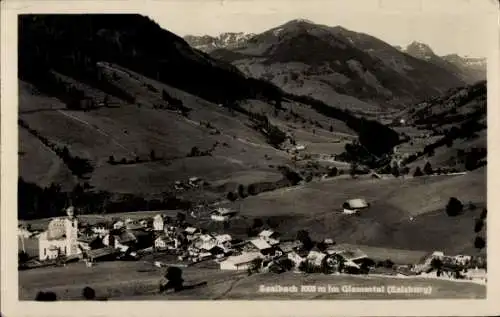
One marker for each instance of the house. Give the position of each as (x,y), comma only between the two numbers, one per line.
(132,225)
(476,275)
(297,257)
(163,242)
(289,246)
(158,223)
(437,254)
(352,257)
(106,253)
(194,181)
(24,232)
(100,229)
(462,259)
(60,239)
(143,223)
(262,246)
(353,206)
(315,257)
(190,230)
(222,214)
(118,225)
(121,240)
(269,236)
(240,262)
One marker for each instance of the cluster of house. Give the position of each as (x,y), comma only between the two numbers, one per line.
(452,267)
(66,237)
(192,182)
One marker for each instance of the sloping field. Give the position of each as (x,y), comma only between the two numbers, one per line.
(135,280)
(37,163)
(316,207)
(126,131)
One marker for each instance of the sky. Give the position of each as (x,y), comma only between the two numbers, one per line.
(447,26)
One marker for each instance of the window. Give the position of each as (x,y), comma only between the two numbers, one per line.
(44,251)
(65,250)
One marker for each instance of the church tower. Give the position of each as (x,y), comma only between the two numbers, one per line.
(71,225)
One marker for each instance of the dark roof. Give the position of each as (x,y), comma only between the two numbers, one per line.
(97,253)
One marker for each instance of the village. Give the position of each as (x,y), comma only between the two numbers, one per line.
(166,241)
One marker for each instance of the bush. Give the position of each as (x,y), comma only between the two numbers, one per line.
(428,169)
(418,172)
(479,243)
(478,226)
(252,190)
(241,191)
(88,293)
(483,214)
(454,207)
(231,196)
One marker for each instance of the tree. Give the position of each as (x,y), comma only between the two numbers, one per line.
(428,169)
(257,223)
(479,243)
(418,172)
(449,142)
(333,172)
(241,191)
(436,264)
(231,196)
(395,170)
(88,293)
(174,279)
(454,207)
(331,129)
(287,264)
(478,226)
(252,190)
(22,257)
(353,170)
(305,239)
(483,214)
(152,155)
(181,217)
(46,297)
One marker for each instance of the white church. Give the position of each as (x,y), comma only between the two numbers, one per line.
(61,237)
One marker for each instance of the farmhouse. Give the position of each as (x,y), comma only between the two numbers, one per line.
(240,262)
(269,236)
(222,214)
(353,206)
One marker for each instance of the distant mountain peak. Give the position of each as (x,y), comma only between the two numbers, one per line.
(420,50)
(301,21)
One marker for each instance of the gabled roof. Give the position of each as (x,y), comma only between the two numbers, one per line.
(260,244)
(223,238)
(357,203)
(243,258)
(190,230)
(223,211)
(266,233)
(125,237)
(97,253)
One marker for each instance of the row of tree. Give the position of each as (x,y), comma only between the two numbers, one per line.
(36,202)
(79,166)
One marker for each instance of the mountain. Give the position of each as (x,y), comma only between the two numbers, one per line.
(208,43)
(103,106)
(340,67)
(453,130)
(475,67)
(470,70)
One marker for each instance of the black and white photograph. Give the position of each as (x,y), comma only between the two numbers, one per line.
(279,151)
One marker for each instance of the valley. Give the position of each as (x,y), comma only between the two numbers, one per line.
(283,128)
